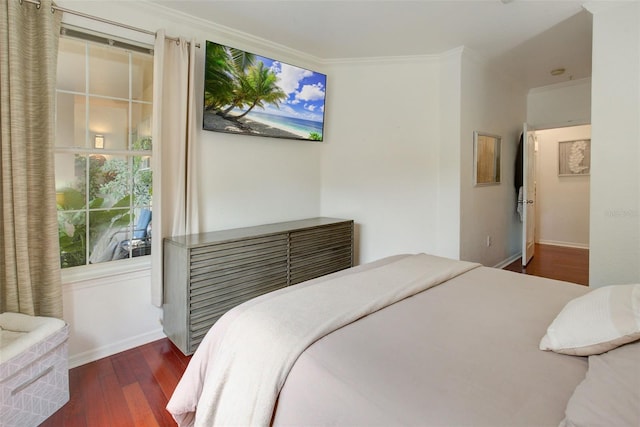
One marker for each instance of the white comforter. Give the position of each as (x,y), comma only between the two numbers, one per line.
(237,372)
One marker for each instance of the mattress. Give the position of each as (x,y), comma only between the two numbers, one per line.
(461,351)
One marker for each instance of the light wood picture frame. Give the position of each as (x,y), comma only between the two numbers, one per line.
(574,157)
(486,159)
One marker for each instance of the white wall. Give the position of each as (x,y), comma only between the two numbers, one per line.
(380,165)
(562,104)
(615,145)
(562,202)
(400,156)
(109,314)
(491,104)
(447,203)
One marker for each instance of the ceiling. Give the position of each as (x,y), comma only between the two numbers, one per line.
(525,38)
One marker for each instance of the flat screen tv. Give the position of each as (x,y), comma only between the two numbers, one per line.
(248,94)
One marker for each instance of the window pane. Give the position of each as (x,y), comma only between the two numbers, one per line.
(108,72)
(110,182)
(142,180)
(71,231)
(71,116)
(71,65)
(141,242)
(108,229)
(109,119)
(142,83)
(115,239)
(70,181)
(141,126)
(115,235)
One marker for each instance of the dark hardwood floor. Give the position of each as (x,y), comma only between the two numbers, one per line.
(132,388)
(556,262)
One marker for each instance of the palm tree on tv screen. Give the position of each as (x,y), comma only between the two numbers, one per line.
(218,80)
(236,79)
(259,85)
(224,66)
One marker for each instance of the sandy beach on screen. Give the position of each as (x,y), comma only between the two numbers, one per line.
(246,126)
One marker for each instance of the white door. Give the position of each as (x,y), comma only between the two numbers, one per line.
(528,193)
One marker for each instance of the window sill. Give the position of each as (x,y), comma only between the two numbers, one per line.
(108,270)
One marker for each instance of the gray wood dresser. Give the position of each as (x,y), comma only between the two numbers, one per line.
(207,274)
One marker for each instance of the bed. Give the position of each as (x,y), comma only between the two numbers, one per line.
(419,340)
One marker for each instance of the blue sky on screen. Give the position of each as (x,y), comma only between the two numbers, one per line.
(305,91)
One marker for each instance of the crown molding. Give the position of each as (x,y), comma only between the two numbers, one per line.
(380,60)
(219,30)
(153,16)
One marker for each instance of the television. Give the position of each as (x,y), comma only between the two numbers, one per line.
(248,94)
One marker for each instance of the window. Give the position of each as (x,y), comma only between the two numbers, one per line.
(103,150)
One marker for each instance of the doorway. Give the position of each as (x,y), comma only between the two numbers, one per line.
(562,196)
(562,207)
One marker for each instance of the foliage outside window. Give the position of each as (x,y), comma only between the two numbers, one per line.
(103,152)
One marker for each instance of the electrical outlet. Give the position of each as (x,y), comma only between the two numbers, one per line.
(488,241)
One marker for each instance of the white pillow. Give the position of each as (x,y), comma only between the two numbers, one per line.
(596,322)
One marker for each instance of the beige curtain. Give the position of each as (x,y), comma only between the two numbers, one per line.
(29,253)
(175,207)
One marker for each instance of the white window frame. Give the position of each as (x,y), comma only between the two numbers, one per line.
(131,264)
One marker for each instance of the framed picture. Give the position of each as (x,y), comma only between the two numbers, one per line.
(574,157)
(486,159)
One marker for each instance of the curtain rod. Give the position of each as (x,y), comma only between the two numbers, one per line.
(96,18)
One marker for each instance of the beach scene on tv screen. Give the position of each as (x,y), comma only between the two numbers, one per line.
(248,94)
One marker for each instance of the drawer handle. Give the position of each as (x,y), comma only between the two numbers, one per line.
(31,381)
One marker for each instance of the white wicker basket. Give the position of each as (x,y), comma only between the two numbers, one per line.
(34,374)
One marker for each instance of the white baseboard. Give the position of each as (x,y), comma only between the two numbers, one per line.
(111,349)
(508,261)
(565,244)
